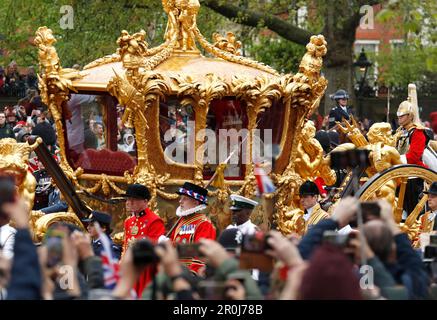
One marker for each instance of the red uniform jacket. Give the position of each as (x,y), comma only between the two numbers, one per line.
(417,146)
(191,229)
(146,225)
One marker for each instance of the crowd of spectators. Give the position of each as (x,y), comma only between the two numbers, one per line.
(377,262)
(15,82)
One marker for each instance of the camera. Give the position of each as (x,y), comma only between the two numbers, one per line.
(336,239)
(370,210)
(431,249)
(430,257)
(143,252)
(253,254)
(347,159)
(53,242)
(255,243)
(188,250)
(211,290)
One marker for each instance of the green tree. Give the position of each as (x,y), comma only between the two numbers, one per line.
(96,26)
(336,20)
(414,60)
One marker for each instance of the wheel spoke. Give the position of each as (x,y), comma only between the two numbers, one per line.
(400,203)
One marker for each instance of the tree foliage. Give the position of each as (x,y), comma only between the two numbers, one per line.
(415,60)
(96,26)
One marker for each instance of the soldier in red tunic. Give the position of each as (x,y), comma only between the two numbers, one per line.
(411,141)
(192,225)
(143,223)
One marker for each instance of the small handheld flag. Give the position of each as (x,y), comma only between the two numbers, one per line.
(264,183)
(109,263)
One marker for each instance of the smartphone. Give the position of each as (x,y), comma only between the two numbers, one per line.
(53,242)
(188,250)
(253,254)
(211,290)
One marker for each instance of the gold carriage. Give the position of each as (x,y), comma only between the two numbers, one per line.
(169,102)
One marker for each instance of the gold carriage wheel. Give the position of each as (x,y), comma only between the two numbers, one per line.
(400,173)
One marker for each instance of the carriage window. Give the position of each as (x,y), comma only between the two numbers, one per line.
(225,136)
(176,125)
(226,124)
(125,136)
(97,141)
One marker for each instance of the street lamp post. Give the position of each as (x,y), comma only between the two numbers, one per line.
(363,64)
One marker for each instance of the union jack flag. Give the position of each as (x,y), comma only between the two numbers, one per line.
(264,183)
(109,263)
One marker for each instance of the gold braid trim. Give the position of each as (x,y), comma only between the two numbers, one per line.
(231,57)
(163,55)
(115,57)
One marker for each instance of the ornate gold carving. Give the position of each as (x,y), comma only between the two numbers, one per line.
(382,154)
(188,10)
(228,43)
(310,163)
(43,222)
(132,49)
(139,90)
(308,86)
(13,162)
(353,132)
(136,91)
(55,83)
(259,94)
(292,222)
(225,55)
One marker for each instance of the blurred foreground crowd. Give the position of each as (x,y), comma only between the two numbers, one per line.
(375,260)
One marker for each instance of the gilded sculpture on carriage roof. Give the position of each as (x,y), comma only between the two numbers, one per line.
(228,43)
(132,49)
(188,10)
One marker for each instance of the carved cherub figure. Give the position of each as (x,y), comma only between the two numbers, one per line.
(310,162)
(188,10)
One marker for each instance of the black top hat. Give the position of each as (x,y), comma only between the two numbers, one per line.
(432,189)
(101,217)
(137,191)
(195,192)
(308,188)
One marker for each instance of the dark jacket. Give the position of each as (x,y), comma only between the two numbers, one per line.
(92,270)
(98,248)
(26,278)
(337,114)
(408,270)
(6,132)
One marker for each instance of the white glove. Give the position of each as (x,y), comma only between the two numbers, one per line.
(163,239)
